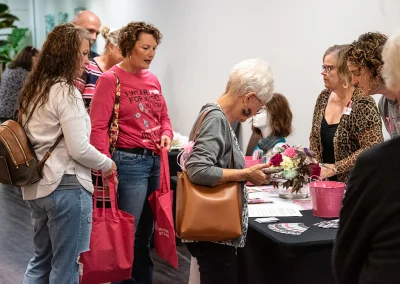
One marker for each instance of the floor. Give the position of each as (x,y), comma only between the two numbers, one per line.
(16,244)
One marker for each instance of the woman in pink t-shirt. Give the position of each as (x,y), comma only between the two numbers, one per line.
(144,127)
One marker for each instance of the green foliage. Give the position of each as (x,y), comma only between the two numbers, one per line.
(12,45)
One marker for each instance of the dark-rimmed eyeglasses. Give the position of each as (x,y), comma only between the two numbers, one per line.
(327,68)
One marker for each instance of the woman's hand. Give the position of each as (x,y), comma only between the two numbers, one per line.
(327,171)
(256,176)
(107,175)
(112,170)
(165,142)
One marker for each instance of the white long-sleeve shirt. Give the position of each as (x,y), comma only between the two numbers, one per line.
(63,113)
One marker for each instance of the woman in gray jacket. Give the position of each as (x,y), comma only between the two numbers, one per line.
(249,87)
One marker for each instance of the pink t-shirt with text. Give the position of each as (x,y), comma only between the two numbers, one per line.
(143,113)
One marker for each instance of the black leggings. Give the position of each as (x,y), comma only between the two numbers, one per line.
(217,263)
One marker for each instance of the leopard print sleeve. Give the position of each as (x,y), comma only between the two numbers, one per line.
(366,131)
(315,135)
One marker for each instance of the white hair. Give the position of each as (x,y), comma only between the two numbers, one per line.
(252,75)
(391,59)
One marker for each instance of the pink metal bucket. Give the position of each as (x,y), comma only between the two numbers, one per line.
(250,162)
(326,198)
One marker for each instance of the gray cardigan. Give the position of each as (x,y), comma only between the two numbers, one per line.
(212,152)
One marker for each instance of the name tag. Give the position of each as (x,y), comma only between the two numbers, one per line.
(347,110)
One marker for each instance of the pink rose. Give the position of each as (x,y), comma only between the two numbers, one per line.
(290,152)
(276,160)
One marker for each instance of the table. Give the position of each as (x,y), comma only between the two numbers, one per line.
(271,257)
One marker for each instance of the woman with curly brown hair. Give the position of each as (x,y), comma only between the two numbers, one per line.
(345,122)
(364,59)
(61,202)
(144,126)
(274,123)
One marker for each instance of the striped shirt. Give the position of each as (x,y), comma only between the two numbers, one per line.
(87,82)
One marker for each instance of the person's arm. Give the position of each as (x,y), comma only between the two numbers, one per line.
(208,149)
(369,133)
(315,143)
(101,111)
(72,115)
(166,128)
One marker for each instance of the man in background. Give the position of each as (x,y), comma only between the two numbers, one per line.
(90,22)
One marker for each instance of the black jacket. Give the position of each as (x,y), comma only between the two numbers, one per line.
(367,248)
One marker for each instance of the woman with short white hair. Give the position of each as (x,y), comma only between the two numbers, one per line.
(249,88)
(391,59)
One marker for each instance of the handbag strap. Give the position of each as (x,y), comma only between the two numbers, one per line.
(48,153)
(112,195)
(164,173)
(200,121)
(114,127)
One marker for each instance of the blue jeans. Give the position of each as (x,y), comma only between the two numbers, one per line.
(139,176)
(62,222)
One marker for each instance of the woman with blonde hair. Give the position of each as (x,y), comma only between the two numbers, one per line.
(61,202)
(345,122)
(111,56)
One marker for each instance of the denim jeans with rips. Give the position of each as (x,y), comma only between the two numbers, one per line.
(62,223)
(139,176)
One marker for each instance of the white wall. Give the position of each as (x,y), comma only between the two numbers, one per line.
(203,39)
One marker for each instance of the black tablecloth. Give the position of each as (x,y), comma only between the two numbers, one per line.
(271,257)
(313,236)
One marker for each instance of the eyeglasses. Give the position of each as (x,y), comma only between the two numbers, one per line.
(327,68)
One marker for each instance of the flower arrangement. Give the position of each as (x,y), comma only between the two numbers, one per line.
(297,165)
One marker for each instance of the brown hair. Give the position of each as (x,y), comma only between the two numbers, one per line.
(280,115)
(24,58)
(367,52)
(58,62)
(340,52)
(129,35)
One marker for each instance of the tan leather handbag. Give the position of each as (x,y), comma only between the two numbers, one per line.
(205,213)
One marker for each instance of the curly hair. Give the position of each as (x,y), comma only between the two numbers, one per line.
(58,62)
(24,58)
(280,115)
(367,52)
(129,35)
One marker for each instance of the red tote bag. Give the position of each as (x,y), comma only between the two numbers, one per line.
(111,242)
(161,204)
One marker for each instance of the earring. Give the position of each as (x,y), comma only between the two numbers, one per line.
(110,53)
(247,113)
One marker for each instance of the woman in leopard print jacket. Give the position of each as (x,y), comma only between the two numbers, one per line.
(345,122)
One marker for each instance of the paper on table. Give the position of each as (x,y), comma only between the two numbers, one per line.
(266,210)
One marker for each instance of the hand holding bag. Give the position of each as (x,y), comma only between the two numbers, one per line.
(111,242)
(161,204)
(206,213)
